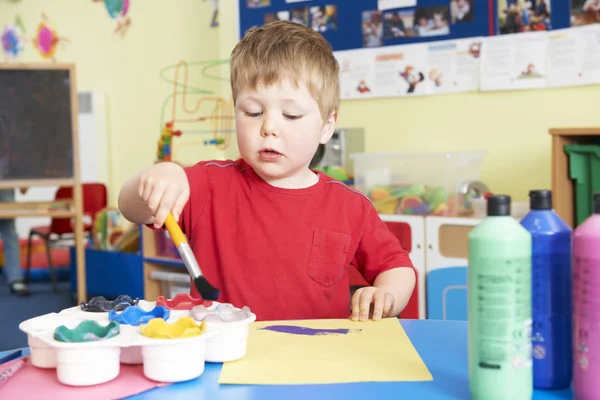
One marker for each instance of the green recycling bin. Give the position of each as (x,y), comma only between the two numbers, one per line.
(584,170)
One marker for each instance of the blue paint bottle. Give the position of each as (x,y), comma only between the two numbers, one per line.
(551,293)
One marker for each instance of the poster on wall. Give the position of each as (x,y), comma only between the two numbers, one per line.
(453,66)
(357,75)
(400,70)
(514,62)
(574,57)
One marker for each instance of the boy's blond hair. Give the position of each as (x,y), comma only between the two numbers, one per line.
(284,49)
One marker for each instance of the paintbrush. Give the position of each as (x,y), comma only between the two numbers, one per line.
(13,369)
(206,290)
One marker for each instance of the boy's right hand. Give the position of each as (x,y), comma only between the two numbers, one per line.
(164,188)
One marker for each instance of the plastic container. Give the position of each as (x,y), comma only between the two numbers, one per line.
(234,325)
(80,366)
(551,293)
(499,293)
(416,183)
(584,170)
(42,354)
(85,360)
(172,283)
(174,363)
(182,301)
(586,306)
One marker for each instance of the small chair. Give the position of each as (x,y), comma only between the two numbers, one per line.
(95,198)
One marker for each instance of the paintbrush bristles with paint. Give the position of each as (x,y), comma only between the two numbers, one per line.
(206,290)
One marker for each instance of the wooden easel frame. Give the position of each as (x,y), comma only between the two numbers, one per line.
(63,208)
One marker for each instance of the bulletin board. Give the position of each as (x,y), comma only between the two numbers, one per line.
(345,24)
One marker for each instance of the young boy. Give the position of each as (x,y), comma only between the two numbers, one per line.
(269,232)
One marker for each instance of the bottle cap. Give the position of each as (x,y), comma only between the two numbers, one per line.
(498,205)
(597,203)
(540,199)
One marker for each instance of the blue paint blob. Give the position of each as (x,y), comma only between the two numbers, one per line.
(300,330)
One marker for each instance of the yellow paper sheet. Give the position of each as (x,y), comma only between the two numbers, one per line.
(369,352)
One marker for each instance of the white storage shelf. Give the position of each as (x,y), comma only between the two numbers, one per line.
(439,252)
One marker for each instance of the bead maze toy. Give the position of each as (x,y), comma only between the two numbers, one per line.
(210,114)
(165,142)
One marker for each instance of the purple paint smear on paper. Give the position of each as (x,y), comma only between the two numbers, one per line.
(300,330)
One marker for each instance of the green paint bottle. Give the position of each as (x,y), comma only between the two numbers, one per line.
(499,282)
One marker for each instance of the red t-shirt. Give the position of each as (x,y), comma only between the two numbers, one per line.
(285,253)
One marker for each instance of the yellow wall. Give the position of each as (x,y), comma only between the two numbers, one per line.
(127,70)
(497,123)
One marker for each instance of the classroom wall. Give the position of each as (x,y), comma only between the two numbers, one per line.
(497,123)
(126,69)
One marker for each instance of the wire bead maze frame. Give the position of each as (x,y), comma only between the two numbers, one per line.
(194,110)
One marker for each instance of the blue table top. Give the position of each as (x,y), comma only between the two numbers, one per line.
(441,344)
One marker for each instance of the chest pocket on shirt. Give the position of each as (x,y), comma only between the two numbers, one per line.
(328,256)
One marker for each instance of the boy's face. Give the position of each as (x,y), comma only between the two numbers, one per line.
(278,131)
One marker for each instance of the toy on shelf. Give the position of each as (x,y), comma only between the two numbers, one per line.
(415,199)
(165,142)
(419,199)
(336,173)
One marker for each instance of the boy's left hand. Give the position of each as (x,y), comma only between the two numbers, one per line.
(371,302)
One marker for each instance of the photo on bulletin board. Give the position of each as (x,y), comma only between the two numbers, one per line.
(278,16)
(372,28)
(299,15)
(516,16)
(585,12)
(462,11)
(398,23)
(416,22)
(432,21)
(323,18)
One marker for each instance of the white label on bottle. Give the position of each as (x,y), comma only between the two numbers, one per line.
(503,291)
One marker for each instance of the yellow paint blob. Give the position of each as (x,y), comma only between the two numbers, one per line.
(185,327)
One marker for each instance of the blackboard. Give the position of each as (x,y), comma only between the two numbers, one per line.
(36,124)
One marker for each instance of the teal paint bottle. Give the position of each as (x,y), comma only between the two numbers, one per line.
(499,326)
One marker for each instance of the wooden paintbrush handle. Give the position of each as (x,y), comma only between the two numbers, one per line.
(175,231)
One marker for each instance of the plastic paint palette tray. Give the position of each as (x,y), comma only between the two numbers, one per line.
(96,356)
